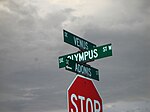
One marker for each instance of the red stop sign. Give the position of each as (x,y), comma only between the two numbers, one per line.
(83,96)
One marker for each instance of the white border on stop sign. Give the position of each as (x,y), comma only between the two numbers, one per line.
(73,82)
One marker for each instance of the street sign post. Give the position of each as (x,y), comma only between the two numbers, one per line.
(76,41)
(82,69)
(83,96)
(86,56)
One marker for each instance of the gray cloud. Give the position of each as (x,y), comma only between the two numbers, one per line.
(28,56)
(131,51)
(31,41)
(128,106)
(125,75)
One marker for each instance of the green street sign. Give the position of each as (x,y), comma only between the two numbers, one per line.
(77,41)
(87,56)
(82,69)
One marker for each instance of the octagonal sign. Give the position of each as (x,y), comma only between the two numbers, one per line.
(83,96)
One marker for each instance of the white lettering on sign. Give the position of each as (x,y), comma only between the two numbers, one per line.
(76,56)
(105,49)
(83,69)
(83,56)
(80,43)
(73,96)
(61,60)
(95,53)
(109,47)
(66,34)
(94,104)
(81,98)
(97,104)
(87,105)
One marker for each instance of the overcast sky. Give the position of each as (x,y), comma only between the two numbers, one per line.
(31,41)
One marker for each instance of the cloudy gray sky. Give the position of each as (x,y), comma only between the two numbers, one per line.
(31,41)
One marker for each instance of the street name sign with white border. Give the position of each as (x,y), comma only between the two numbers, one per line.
(78,42)
(87,56)
(82,69)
